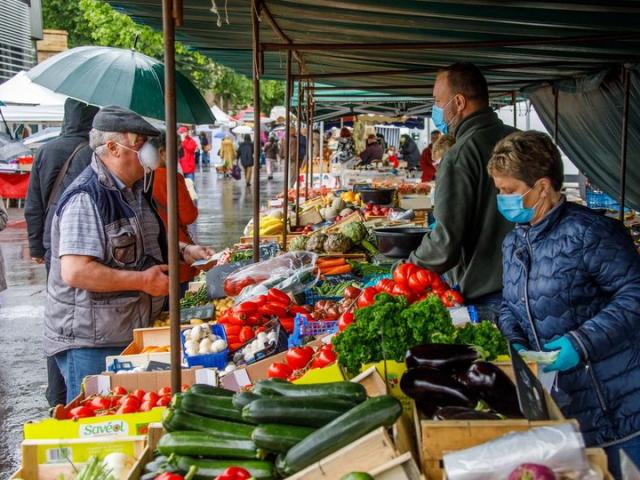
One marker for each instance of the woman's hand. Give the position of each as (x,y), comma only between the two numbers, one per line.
(198,252)
(568,357)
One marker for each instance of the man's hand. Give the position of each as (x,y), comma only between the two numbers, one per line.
(198,252)
(155,281)
(38,260)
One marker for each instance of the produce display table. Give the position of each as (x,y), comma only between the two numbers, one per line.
(13,185)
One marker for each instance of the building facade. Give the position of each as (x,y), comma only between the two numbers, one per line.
(20,28)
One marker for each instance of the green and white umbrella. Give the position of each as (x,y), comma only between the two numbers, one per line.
(115,76)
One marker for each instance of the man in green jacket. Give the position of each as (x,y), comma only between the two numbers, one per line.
(466,242)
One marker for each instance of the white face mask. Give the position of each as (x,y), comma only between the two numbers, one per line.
(149,158)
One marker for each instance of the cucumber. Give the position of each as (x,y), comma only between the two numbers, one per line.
(357,422)
(279,438)
(242,399)
(177,419)
(208,405)
(204,389)
(307,412)
(334,390)
(205,445)
(208,469)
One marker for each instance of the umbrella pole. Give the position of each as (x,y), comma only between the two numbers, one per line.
(287,154)
(6,125)
(256,130)
(623,146)
(306,170)
(168,16)
(297,152)
(310,135)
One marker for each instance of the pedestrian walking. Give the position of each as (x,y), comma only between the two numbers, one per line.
(271,155)
(245,156)
(187,157)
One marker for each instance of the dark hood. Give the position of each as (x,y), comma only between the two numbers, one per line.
(78,117)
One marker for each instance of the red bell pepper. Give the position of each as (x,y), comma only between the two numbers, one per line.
(234,473)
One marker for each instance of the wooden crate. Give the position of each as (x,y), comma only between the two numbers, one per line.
(351,218)
(402,468)
(373,383)
(153,437)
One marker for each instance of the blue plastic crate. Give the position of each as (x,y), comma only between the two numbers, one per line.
(280,346)
(209,360)
(305,328)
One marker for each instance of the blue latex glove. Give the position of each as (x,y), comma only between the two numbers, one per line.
(568,357)
(518,347)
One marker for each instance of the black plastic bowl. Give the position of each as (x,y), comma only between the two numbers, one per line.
(399,242)
(377,196)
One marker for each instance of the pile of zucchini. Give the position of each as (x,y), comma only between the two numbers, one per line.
(274,431)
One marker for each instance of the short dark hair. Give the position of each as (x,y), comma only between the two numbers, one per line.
(467,79)
(528,156)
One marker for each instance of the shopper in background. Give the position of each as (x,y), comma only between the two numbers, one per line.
(345,153)
(426,159)
(441,146)
(187,157)
(392,156)
(205,148)
(372,152)
(227,154)
(409,152)
(572,286)
(56,166)
(271,155)
(245,156)
(465,243)
(187,210)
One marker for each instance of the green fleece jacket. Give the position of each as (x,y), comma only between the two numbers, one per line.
(466,243)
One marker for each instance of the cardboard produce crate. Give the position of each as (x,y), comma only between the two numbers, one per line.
(48,459)
(414,201)
(126,425)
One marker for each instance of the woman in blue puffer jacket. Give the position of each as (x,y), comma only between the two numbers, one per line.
(571,284)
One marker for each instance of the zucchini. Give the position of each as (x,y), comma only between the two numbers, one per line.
(204,389)
(334,390)
(242,399)
(208,405)
(208,469)
(205,445)
(308,412)
(177,419)
(366,417)
(279,438)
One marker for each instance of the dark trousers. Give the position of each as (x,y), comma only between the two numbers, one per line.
(56,392)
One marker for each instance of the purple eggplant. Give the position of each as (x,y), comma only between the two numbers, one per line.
(441,356)
(493,386)
(432,389)
(532,471)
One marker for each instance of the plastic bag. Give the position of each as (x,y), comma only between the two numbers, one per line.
(292,272)
(560,447)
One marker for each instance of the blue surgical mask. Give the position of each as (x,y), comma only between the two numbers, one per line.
(437,115)
(513,209)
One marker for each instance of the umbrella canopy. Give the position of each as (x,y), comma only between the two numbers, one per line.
(114,76)
(11,149)
(242,130)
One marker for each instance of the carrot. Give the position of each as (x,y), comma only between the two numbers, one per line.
(337,270)
(330,262)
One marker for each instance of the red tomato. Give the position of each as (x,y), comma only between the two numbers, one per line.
(232,473)
(139,394)
(153,396)
(81,412)
(119,391)
(232,330)
(451,298)
(416,285)
(163,401)
(164,391)
(367,297)
(147,406)
(279,370)
(260,300)
(403,272)
(127,409)
(402,290)
(99,403)
(288,323)
(114,400)
(326,358)
(169,476)
(184,388)
(346,319)
(233,346)
(273,309)
(246,307)
(327,348)
(386,285)
(246,334)
(130,400)
(293,309)
(278,296)
(298,357)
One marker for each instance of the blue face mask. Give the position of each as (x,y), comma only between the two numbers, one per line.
(437,115)
(513,209)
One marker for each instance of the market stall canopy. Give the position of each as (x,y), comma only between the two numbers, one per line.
(20,90)
(114,76)
(222,118)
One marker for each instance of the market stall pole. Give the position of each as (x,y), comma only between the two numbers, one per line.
(555,115)
(172,15)
(310,152)
(297,152)
(515,109)
(623,146)
(287,156)
(255,23)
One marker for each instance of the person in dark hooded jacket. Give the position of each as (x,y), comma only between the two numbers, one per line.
(41,199)
(409,151)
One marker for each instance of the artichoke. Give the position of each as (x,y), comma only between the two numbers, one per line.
(316,243)
(355,231)
(298,243)
(337,243)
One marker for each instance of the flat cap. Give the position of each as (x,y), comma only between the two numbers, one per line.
(118,119)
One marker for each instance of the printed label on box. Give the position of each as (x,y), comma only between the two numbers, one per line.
(114,427)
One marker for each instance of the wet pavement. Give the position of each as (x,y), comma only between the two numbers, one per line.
(225,207)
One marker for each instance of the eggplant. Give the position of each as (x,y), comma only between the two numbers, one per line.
(493,386)
(463,413)
(441,356)
(432,389)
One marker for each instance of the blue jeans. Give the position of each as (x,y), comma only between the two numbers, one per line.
(78,363)
(488,306)
(192,176)
(630,447)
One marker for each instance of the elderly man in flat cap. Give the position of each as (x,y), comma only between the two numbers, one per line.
(108,250)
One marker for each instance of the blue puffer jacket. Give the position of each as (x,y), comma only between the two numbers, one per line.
(576,273)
